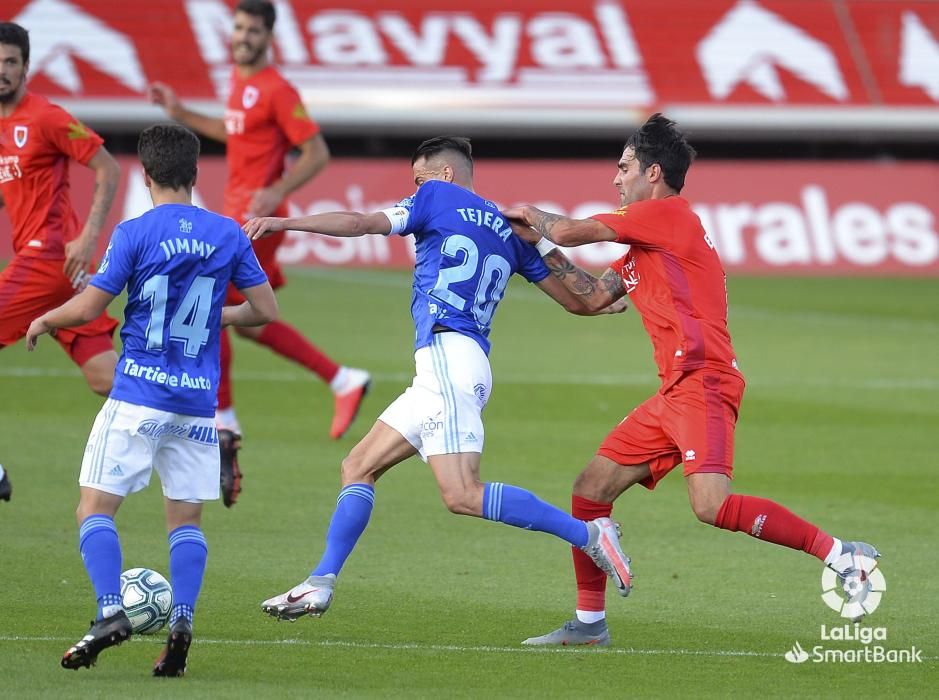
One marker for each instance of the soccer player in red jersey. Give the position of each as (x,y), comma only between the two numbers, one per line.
(264,120)
(52,250)
(675,280)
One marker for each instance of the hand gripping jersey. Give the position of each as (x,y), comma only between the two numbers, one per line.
(465,254)
(675,280)
(264,119)
(176,262)
(36,143)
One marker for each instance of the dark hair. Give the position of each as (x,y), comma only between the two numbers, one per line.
(14,35)
(169,154)
(259,8)
(439,144)
(660,141)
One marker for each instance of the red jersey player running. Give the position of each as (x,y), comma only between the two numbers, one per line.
(675,280)
(264,120)
(52,250)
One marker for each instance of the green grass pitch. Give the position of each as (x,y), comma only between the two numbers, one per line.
(839,423)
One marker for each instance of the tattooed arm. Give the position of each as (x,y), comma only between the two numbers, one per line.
(578,291)
(556,228)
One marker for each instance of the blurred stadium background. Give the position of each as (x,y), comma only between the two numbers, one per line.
(816,120)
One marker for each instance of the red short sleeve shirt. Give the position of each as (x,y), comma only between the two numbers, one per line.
(36,143)
(264,119)
(676,282)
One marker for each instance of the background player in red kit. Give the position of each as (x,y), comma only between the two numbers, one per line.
(676,282)
(264,120)
(52,250)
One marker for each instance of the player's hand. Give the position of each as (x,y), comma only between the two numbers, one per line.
(36,329)
(163,95)
(77,258)
(263,227)
(524,231)
(618,306)
(264,201)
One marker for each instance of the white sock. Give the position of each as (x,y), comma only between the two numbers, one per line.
(339,381)
(226,419)
(588,617)
(1,472)
(836,549)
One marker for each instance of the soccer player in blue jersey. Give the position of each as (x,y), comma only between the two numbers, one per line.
(466,254)
(176,262)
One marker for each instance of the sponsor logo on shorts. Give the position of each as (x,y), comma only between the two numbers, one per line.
(430,426)
(480,391)
(205,434)
(689,455)
(757,529)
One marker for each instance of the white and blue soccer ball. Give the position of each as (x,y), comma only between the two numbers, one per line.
(147,598)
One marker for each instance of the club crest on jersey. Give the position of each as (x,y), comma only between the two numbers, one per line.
(250,96)
(20,134)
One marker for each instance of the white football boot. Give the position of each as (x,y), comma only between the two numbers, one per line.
(311,597)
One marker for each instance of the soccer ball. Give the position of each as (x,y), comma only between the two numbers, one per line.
(147,599)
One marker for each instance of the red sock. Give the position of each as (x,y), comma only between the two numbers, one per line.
(591,581)
(767,520)
(288,342)
(224,376)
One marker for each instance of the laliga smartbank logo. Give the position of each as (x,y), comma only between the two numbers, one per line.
(853,595)
(863,585)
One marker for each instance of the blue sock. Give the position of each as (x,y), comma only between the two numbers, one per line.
(520,508)
(101,552)
(353,509)
(188,552)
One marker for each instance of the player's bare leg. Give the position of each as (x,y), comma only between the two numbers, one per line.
(99,372)
(380,450)
(595,488)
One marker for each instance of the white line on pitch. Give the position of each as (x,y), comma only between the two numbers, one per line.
(432,647)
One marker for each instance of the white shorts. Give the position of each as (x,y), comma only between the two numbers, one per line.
(441,412)
(127,441)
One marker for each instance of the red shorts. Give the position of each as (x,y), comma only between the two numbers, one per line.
(692,422)
(31,286)
(266,250)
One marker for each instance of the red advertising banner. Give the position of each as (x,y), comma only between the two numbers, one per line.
(563,64)
(765,218)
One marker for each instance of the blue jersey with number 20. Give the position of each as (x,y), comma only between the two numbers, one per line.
(465,254)
(176,262)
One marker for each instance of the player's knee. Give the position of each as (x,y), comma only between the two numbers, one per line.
(99,384)
(252,332)
(458,501)
(353,470)
(706,511)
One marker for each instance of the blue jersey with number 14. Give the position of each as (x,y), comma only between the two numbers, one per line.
(465,253)
(176,262)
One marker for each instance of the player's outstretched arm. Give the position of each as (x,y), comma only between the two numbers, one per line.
(578,291)
(556,228)
(81,308)
(163,95)
(341,224)
(259,307)
(78,252)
